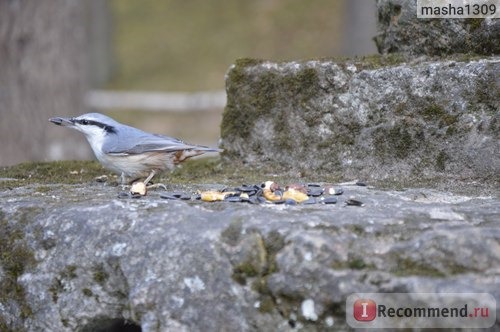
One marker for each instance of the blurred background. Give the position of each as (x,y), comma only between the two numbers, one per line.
(155,64)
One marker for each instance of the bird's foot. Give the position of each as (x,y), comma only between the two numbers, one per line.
(156,186)
(124,183)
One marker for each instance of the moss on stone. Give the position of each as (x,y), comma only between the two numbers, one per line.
(259,96)
(16,257)
(350,132)
(451,130)
(273,243)
(474,23)
(259,267)
(231,235)
(256,263)
(357,229)
(485,98)
(464,57)
(396,141)
(269,246)
(194,171)
(357,264)
(277,96)
(409,267)
(260,286)
(232,172)
(436,113)
(301,86)
(69,272)
(247,62)
(3,325)
(55,288)
(99,274)
(283,137)
(404,144)
(267,304)
(43,189)
(494,127)
(353,263)
(458,269)
(87,292)
(441,160)
(45,173)
(246,269)
(376,61)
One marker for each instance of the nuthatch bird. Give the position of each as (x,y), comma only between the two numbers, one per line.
(129,151)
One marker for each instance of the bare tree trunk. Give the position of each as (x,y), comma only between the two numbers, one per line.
(43,73)
(100,47)
(360,28)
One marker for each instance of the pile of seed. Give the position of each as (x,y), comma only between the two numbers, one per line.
(270,193)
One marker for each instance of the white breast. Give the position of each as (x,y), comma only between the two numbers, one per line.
(131,165)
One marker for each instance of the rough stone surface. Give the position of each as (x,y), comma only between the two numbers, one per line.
(401,31)
(418,120)
(162,265)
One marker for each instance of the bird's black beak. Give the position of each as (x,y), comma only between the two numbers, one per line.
(65,122)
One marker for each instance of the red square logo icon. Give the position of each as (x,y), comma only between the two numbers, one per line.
(365,310)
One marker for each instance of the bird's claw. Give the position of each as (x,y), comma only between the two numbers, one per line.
(157,185)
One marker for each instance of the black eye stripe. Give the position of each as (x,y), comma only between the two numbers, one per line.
(85,122)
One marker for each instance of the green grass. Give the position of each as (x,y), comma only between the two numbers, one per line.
(189,45)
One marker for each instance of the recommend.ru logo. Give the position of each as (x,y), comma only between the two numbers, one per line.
(421,310)
(364,310)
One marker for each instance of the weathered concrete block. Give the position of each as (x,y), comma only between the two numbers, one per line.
(411,121)
(76,258)
(401,31)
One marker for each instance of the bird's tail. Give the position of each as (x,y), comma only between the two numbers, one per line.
(206,149)
(182,155)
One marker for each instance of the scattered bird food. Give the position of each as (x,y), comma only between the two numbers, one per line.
(176,195)
(268,192)
(138,188)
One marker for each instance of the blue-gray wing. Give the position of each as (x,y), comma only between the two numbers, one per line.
(136,142)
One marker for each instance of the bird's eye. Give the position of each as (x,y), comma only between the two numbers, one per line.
(84,122)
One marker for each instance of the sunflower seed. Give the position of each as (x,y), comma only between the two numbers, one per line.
(315,191)
(330,190)
(233,199)
(123,194)
(353,202)
(253,200)
(248,188)
(328,200)
(169,195)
